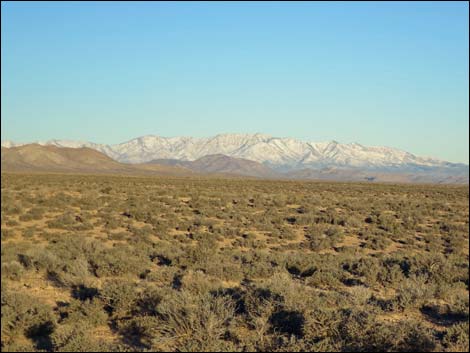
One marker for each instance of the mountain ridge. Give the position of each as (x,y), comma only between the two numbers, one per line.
(279,153)
(52,158)
(265,156)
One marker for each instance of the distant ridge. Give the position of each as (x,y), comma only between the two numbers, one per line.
(280,153)
(265,156)
(350,174)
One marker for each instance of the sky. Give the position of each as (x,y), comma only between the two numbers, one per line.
(380,74)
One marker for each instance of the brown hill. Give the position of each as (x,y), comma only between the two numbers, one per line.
(37,158)
(222,164)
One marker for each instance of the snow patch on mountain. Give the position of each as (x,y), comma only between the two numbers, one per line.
(282,154)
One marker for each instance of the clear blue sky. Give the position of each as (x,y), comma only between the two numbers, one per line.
(393,74)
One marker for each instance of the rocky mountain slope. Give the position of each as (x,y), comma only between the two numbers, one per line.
(219,163)
(266,156)
(281,153)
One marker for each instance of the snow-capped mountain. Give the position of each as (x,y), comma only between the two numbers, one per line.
(282,154)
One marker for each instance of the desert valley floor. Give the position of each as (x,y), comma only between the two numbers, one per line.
(123,263)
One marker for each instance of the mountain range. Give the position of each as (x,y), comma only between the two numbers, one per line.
(266,156)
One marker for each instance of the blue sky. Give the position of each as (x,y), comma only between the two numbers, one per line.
(392,74)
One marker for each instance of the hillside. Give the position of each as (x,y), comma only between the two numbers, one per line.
(221,164)
(37,158)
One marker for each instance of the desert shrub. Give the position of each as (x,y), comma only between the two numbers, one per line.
(350,221)
(118,261)
(200,255)
(29,232)
(448,313)
(194,323)
(140,330)
(37,258)
(292,293)
(198,283)
(259,305)
(106,190)
(360,296)
(287,234)
(376,241)
(413,292)
(323,237)
(388,223)
(391,274)
(456,338)
(143,232)
(9,208)
(58,201)
(118,236)
(112,223)
(362,332)
(23,315)
(257,264)
(321,329)
(71,273)
(411,221)
(119,297)
(85,291)
(10,222)
(288,322)
(301,266)
(325,277)
(436,267)
(12,270)
(35,213)
(369,268)
(225,267)
(25,345)
(148,300)
(89,313)
(73,337)
(70,221)
(7,233)
(303,219)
